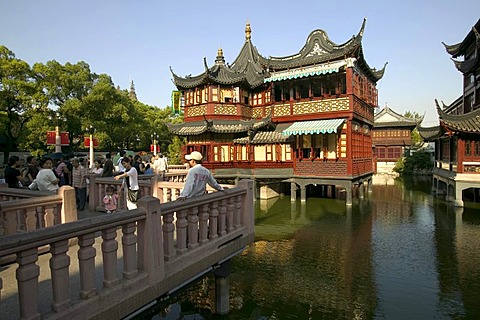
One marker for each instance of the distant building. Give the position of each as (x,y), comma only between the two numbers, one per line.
(304,119)
(392,134)
(457,138)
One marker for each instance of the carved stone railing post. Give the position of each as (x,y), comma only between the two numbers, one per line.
(69,204)
(203,224)
(167,229)
(86,257)
(237,221)
(182,225)
(59,263)
(150,242)
(27,278)
(129,242)
(193,228)
(230,214)
(249,216)
(109,253)
(31,219)
(222,218)
(93,192)
(213,222)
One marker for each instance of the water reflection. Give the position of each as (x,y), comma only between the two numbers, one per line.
(399,253)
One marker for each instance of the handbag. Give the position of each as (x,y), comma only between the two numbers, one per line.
(133,195)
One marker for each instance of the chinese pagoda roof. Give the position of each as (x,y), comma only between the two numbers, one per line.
(252,69)
(319,49)
(461,49)
(217,126)
(430,133)
(467,122)
(389,118)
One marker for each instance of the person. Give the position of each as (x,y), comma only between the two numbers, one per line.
(108,166)
(46,179)
(120,166)
(137,163)
(32,170)
(13,176)
(160,166)
(197,178)
(79,175)
(61,171)
(97,167)
(130,183)
(110,200)
(148,169)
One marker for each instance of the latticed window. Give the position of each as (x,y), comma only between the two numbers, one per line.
(468,148)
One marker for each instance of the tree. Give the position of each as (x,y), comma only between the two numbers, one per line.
(18,92)
(64,88)
(415,135)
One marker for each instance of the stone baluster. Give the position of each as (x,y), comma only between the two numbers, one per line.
(59,263)
(203,224)
(237,221)
(182,225)
(109,253)
(50,214)
(129,242)
(86,264)
(213,221)
(230,214)
(10,222)
(31,219)
(27,278)
(222,218)
(193,228)
(168,229)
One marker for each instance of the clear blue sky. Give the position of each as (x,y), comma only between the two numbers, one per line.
(140,40)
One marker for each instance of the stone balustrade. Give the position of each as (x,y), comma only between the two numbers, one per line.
(125,260)
(23,210)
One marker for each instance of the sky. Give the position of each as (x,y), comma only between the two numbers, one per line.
(139,40)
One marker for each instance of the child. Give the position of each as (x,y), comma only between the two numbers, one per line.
(110,200)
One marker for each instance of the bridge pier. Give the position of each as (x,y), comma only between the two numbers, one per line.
(222,288)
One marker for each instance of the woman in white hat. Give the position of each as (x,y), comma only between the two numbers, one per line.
(197,177)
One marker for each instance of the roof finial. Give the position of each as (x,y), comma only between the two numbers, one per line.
(248,31)
(220,59)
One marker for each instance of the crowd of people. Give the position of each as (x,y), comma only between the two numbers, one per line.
(48,174)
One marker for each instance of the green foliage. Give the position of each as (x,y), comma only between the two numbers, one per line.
(175,150)
(416,163)
(36,100)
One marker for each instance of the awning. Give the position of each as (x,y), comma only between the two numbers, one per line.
(316,126)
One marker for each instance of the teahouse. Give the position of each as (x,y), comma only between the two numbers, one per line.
(303,120)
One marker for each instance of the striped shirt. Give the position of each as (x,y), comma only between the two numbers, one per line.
(78,177)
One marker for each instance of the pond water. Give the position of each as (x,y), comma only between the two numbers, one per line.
(399,253)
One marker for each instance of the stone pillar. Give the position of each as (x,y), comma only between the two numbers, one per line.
(361,191)
(222,288)
(303,193)
(293,191)
(348,195)
(458,201)
(69,204)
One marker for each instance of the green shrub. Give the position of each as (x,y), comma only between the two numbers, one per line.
(411,164)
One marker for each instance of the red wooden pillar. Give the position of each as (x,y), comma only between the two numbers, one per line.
(460,155)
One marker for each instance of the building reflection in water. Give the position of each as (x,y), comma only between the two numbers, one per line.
(397,253)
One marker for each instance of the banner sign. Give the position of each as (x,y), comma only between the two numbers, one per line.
(51,137)
(176,101)
(152,148)
(86,142)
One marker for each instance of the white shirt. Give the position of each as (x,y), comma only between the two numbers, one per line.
(44,180)
(196,182)
(132,178)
